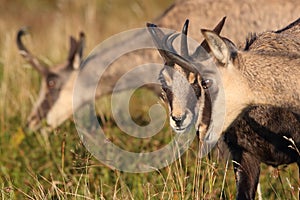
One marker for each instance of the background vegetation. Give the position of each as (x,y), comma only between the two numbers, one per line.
(55,165)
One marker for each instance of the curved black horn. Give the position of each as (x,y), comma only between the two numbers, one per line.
(184,45)
(165,47)
(27,55)
(21,32)
(168,42)
(183,62)
(156,33)
(158,37)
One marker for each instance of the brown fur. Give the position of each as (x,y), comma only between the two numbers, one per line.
(266,73)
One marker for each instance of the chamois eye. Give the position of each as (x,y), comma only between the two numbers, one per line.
(206,83)
(51,83)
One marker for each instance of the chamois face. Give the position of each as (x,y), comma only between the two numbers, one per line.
(48,95)
(183,92)
(186,82)
(54,82)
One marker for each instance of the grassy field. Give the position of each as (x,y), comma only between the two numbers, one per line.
(55,165)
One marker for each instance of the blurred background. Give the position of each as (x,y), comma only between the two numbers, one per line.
(51,24)
(56,165)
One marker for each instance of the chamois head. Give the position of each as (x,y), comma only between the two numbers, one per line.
(54,79)
(189,89)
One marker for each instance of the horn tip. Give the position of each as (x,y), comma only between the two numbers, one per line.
(23,30)
(223,19)
(150,25)
(185,26)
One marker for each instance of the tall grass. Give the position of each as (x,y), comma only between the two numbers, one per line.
(56,165)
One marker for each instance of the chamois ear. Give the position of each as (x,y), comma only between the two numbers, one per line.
(72,52)
(218,28)
(75,52)
(79,51)
(217,46)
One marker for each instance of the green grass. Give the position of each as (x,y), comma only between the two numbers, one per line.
(56,165)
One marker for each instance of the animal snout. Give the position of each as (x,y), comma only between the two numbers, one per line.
(179,119)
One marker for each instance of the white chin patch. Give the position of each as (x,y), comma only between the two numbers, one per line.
(181,130)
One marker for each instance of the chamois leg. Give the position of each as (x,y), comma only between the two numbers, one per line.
(247,170)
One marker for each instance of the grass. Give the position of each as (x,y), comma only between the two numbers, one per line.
(56,165)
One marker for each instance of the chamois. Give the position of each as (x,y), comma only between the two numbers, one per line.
(246,16)
(53,79)
(249,77)
(263,133)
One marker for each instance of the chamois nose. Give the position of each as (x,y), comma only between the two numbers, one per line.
(179,119)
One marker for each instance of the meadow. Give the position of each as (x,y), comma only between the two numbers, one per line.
(56,165)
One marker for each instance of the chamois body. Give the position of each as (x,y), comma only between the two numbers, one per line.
(265,134)
(258,75)
(261,133)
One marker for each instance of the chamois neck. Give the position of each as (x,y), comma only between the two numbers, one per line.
(238,95)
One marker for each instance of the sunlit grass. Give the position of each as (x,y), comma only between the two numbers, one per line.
(56,165)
